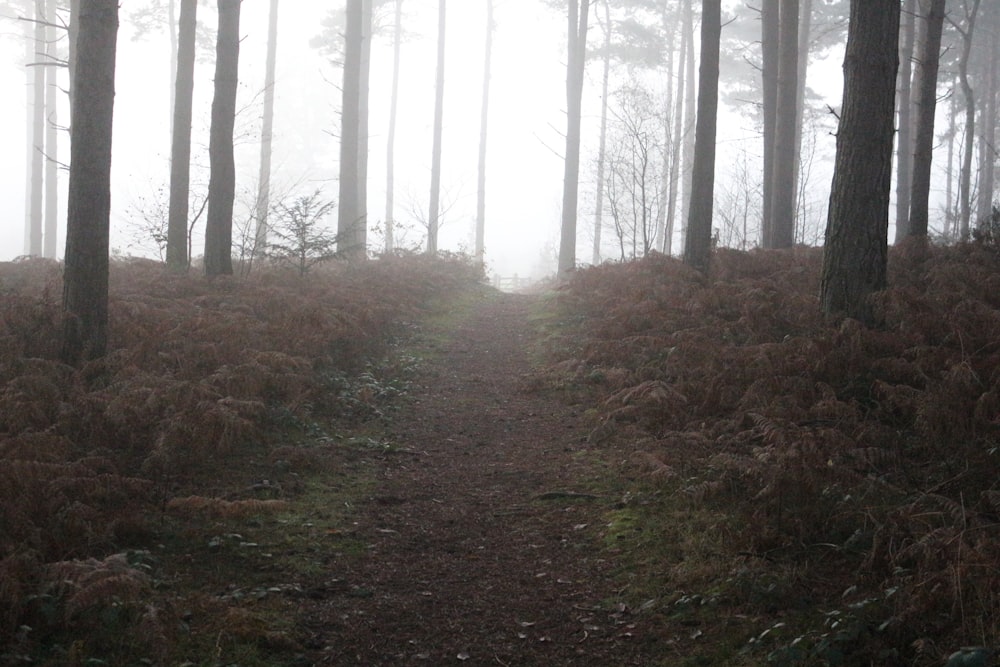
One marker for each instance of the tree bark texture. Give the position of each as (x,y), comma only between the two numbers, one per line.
(85,275)
(925,89)
(222,179)
(348,207)
(434,209)
(180,151)
(579,11)
(855,253)
(698,245)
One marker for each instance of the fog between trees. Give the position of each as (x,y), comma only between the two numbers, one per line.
(652,170)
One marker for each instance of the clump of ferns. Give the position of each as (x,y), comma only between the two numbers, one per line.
(59,509)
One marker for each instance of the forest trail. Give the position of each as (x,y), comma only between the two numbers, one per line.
(483,532)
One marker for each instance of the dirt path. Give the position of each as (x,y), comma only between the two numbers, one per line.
(477,551)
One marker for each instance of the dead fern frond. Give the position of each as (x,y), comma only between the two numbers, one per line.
(86,584)
(223,509)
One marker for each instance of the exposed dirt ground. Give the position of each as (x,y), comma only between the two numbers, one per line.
(483,535)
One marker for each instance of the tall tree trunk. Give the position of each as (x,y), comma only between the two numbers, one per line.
(73,34)
(690,113)
(37,134)
(361,229)
(950,210)
(390,167)
(172,31)
(603,142)
(856,249)
(222,179)
(678,137)
(49,237)
(905,144)
(783,195)
(263,205)
(965,183)
(579,11)
(668,136)
(85,275)
(180,151)
(802,70)
(29,139)
(925,88)
(987,130)
(349,208)
(698,244)
(770,18)
(484,117)
(435,198)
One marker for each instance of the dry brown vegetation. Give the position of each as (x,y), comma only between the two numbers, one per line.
(812,492)
(855,468)
(200,374)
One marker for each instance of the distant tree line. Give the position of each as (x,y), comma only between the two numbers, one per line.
(655,167)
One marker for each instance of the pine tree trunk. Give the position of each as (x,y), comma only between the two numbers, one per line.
(575,64)
(783,176)
(222,180)
(484,117)
(856,249)
(172,31)
(965,184)
(435,198)
(180,152)
(690,113)
(698,244)
(770,54)
(360,241)
(905,143)
(349,208)
(72,36)
(49,236)
(85,275)
(925,105)
(37,136)
(603,141)
(987,132)
(263,206)
(802,70)
(950,213)
(390,150)
(29,140)
(678,138)
(668,136)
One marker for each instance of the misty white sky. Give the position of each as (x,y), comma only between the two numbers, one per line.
(524,182)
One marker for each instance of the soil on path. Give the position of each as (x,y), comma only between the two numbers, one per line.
(483,534)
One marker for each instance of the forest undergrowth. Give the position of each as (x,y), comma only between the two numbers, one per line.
(834,487)
(214,397)
(809,492)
